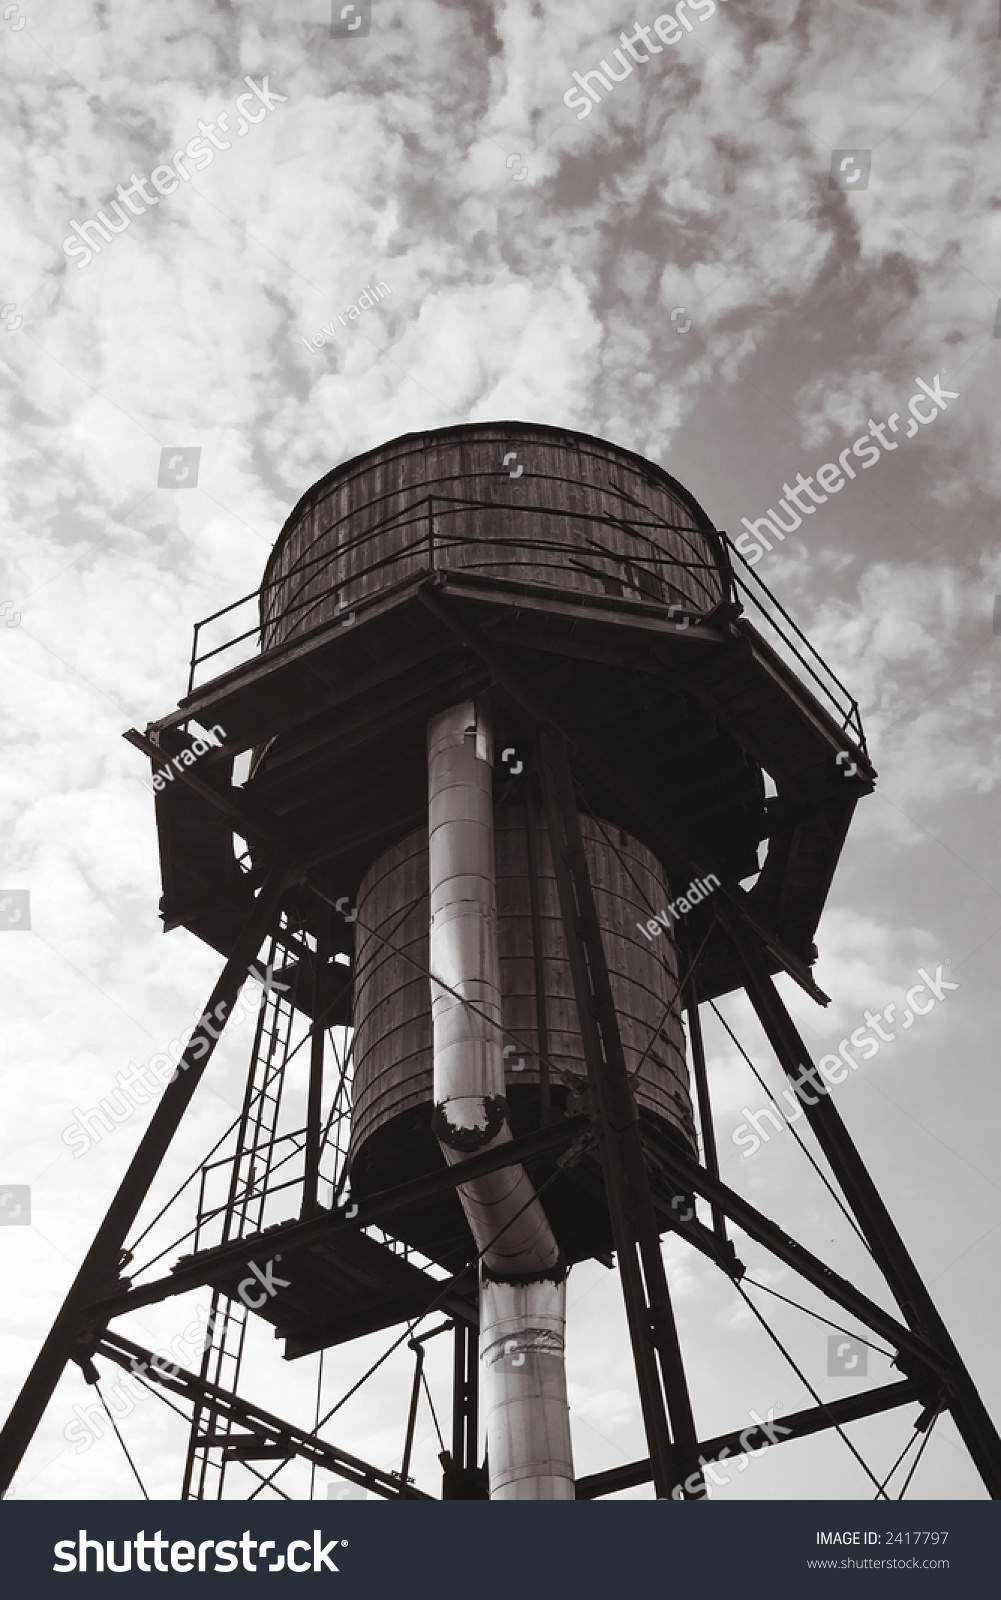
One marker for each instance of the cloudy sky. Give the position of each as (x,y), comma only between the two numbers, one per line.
(672,272)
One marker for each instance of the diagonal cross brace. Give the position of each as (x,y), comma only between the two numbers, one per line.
(796,1425)
(888,1248)
(262,1424)
(688,1175)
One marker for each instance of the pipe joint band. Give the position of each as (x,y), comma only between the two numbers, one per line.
(516,1349)
(489,1119)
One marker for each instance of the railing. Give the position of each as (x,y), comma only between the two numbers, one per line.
(644,572)
(216,1174)
(259,1192)
(830,685)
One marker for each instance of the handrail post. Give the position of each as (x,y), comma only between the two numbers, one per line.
(194,657)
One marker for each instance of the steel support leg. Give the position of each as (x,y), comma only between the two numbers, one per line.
(314,1131)
(634,1227)
(101,1266)
(888,1248)
(538,964)
(463,1479)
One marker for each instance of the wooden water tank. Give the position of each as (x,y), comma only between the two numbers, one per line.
(392,1096)
(581,516)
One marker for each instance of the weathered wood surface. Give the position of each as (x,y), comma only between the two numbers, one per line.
(392,1003)
(582,517)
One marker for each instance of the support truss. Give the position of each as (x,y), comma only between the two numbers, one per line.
(264,1435)
(640,1207)
(923,1343)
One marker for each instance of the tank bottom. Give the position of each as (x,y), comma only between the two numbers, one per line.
(406,1148)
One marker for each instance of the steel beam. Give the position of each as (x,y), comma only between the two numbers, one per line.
(191,1273)
(250,826)
(462,1479)
(688,1176)
(415,1398)
(271,1430)
(888,1248)
(314,1097)
(797,1425)
(706,1124)
(681,853)
(101,1265)
(649,1312)
(608,708)
(587,1173)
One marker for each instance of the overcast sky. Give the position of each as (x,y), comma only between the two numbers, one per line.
(672,272)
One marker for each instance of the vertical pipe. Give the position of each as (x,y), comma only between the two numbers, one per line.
(538,965)
(705,1103)
(522,1280)
(460,1359)
(314,1099)
(471,1407)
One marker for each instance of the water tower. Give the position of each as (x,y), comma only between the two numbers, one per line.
(504,728)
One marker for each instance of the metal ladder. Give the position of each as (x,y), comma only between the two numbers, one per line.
(222,1357)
